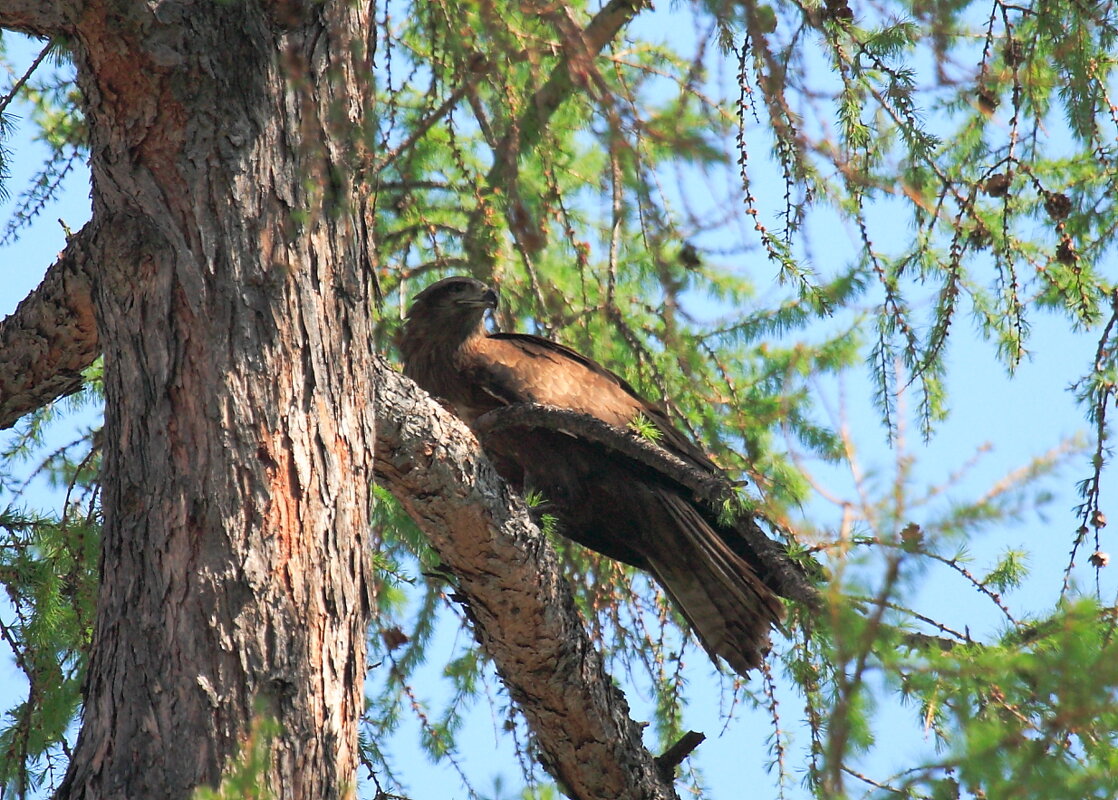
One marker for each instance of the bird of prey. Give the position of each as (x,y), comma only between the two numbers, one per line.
(621,507)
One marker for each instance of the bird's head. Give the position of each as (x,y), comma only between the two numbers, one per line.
(458,294)
(450,309)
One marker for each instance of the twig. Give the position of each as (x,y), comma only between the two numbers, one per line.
(7,99)
(423,126)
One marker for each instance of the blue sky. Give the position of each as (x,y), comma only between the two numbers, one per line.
(1015,419)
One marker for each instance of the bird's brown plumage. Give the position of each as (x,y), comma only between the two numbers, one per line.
(604,500)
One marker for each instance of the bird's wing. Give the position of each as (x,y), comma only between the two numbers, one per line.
(521,368)
(608,503)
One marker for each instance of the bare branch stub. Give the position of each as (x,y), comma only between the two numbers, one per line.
(674,755)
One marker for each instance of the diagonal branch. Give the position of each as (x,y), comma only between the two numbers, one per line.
(525,133)
(569,74)
(42,18)
(48,341)
(521,607)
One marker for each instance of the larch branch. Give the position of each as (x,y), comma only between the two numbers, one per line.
(521,607)
(51,337)
(524,134)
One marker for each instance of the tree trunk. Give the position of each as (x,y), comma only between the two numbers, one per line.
(233,309)
(227,265)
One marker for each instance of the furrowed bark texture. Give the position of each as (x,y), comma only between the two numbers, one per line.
(51,337)
(43,18)
(521,608)
(233,310)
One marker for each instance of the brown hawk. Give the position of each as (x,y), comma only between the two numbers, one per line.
(618,506)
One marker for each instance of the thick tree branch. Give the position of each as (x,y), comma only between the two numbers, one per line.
(43,18)
(522,609)
(48,341)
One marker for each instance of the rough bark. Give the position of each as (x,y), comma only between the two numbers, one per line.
(521,608)
(42,18)
(51,337)
(234,316)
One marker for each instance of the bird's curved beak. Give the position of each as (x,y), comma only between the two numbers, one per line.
(487,299)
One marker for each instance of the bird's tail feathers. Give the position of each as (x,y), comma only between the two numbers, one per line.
(726,603)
